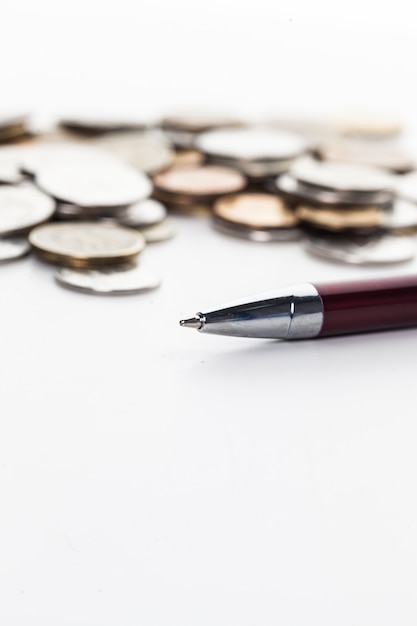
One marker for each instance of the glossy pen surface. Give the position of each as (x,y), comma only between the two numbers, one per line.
(316,310)
(370,305)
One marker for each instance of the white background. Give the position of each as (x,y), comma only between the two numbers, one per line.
(152,475)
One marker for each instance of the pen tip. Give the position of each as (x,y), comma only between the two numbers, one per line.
(192,322)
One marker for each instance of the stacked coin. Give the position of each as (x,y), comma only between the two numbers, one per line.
(335,195)
(258,152)
(85,186)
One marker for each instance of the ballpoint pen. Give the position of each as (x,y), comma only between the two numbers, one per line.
(308,310)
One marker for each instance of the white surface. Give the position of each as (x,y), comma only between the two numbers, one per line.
(152,475)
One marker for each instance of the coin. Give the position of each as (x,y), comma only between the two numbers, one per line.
(13,248)
(97,124)
(336,219)
(260,234)
(86,244)
(258,152)
(363,250)
(185,185)
(297,192)
(255,210)
(405,186)
(109,281)
(158,232)
(149,152)
(111,185)
(41,155)
(339,176)
(144,213)
(362,152)
(402,217)
(368,124)
(23,207)
(183,128)
(10,165)
(184,158)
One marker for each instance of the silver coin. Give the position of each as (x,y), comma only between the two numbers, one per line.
(383,249)
(401,217)
(405,186)
(13,248)
(149,152)
(261,235)
(249,145)
(111,185)
(23,207)
(110,281)
(289,186)
(39,156)
(159,232)
(10,157)
(96,123)
(254,169)
(338,176)
(145,213)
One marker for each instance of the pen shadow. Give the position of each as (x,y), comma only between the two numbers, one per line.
(382,351)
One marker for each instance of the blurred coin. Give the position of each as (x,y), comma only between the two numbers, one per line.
(187,185)
(371,125)
(405,186)
(188,158)
(149,152)
(158,232)
(99,124)
(111,185)
(362,250)
(183,128)
(22,208)
(86,244)
(298,192)
(111,281)
(41,155)
(259,234)
(144,213)
(339,176)
(10,157)
(402,217)
(336,219)
(13,248)
(13,126)
(255,210)
(258,152)
(380,155)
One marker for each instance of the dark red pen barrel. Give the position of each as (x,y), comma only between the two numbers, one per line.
(370,305)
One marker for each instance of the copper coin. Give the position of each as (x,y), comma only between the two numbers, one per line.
(184,184)
(255,210)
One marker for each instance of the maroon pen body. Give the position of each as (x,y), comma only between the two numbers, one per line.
(370,305)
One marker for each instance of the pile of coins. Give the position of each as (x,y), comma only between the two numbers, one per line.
(90,194)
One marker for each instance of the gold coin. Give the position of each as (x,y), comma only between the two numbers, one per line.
(185,158)
(184,185)
(86,244)
(337,219)
(255,210)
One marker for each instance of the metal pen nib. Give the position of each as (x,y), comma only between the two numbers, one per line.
(192,322)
